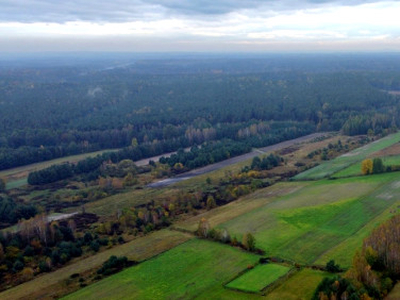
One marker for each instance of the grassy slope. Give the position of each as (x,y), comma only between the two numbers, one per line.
(245,204)
(194,269)
(299,287)
(304,225)
(50,285)
(259,277)
(355,169)
(341,162)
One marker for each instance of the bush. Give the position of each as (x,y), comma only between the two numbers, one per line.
(332,267)
(113,265)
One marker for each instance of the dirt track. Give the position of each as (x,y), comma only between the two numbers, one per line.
(233,160)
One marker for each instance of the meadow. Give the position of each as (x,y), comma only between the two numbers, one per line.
(196,268)
(328,168)
(258,278)
(298,287)
(52,285)
(355,169)
(304,225)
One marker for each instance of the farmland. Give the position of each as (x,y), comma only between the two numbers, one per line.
(258,278)
(330,167)
(52,285)
(195,268)
(305,222)
(355,169)
(304,225)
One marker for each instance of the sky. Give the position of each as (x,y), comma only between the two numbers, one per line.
(199,25)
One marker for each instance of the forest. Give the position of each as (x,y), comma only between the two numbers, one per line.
(67,108)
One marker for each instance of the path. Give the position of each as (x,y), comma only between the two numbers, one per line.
(233,160)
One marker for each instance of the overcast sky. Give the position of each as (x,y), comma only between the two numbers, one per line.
(199,25)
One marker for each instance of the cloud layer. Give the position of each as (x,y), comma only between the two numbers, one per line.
(198,25)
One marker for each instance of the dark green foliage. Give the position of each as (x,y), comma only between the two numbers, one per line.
(43,266)
(11,212)
(165,105)
(338,287)
(2,185)
(113,265)
(95,246)
(266,163)
(332,267)
(377,166)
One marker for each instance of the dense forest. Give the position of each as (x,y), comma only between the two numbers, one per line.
(68,108)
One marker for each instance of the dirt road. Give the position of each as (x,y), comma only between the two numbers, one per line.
(233,160)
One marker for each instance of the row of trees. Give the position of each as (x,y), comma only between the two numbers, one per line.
(208,153)
(376,166)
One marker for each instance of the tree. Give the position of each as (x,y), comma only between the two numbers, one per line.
(2,185)
(129,180)
(211,202)
(249,242)
(377,166)
(203,228)
(332,267)
(366,167)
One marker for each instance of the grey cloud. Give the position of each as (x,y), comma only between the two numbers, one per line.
(131,10)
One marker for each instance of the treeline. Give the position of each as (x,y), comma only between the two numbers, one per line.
(12,211)
(374,271)
(198,156)
(206,154)
(40,246)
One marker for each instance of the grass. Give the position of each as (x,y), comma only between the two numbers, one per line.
(333,166)
(355,169)
(245,204)
(16,177)
(304,225)
(258,278)
(301,286)
(194,269)
(52,285)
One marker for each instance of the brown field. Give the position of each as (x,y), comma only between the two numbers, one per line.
(53,285)
(392,150)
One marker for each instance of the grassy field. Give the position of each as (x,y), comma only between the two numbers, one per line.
(304,225)
(299,287)
(258,278)
(16,177)
(355,169)
(245,204)
(52,285)
(194,269)
(333,166)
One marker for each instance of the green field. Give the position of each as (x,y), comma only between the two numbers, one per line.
(304,225)
(51,285)
(299,287)
(258,278)
(342,162)
(196,268)
(355,169)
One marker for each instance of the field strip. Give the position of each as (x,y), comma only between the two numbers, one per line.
(354,241)
(139,249)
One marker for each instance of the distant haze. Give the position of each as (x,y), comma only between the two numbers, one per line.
(193,25)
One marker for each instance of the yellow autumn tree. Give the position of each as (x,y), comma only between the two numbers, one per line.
(366,166)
